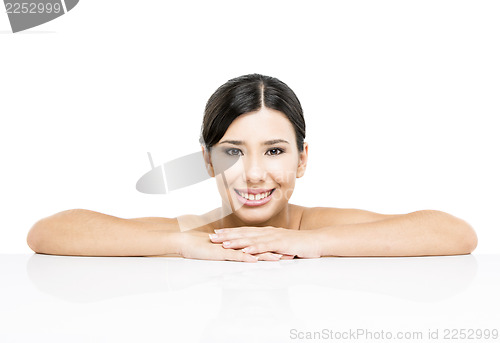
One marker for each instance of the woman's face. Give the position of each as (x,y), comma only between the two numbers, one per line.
(260,148)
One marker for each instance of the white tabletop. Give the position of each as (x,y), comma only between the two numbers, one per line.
(48,298)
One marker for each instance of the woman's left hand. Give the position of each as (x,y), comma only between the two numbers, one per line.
(254,240)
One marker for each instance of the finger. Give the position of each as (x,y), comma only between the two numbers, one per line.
(287,257)
(268,256)
(238,255)
(239,243)
(220,237)
(261,247)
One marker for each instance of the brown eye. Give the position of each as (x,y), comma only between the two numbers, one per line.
(275,151)
(233,152)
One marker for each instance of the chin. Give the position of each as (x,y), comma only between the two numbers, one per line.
(252,219)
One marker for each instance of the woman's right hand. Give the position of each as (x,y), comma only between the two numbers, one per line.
(197,245)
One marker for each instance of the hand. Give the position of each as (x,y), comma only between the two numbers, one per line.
(197,245)
(255,240)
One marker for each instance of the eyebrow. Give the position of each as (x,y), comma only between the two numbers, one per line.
(269,142)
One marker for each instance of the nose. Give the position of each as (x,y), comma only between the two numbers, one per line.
(254,170)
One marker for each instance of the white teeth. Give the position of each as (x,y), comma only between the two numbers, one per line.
(255,196)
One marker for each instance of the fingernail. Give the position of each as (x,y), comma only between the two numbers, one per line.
(255,257)
(246,250)
(279,255)
(212,236)
(216,231)
(226,244)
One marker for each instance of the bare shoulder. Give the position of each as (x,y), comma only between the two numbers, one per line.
(317,217)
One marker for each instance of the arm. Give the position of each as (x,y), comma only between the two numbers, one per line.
(420,233)
(331,232)
(81,232)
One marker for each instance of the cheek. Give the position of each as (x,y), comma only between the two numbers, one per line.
(234,176)
(228,168)
(283,171)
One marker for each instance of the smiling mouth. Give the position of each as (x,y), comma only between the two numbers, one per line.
(253,197)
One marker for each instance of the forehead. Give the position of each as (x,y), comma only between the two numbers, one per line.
(262,123)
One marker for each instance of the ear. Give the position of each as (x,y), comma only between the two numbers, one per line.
(301,169)
(208,161)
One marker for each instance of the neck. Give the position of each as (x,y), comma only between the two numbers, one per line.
(281,219)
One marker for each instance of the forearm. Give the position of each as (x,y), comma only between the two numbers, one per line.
(88,233)
(420,233)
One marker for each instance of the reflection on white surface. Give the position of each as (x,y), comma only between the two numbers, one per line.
(126,299)
(85,279)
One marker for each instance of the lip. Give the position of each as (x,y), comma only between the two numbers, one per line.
(248,202)
(253,190)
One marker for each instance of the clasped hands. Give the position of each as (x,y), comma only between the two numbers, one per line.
(268,243)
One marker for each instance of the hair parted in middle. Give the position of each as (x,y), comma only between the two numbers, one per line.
(249,93)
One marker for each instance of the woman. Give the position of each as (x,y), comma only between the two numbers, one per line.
(253,144)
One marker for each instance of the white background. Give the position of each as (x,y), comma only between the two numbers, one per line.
(400,100)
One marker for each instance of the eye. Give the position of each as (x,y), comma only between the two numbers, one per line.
(275,151)
(233,152)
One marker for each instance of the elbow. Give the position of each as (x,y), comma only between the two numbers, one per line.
(34,236)
(469,239)
(42,235)
(461,233)
(37,235)
(466,235)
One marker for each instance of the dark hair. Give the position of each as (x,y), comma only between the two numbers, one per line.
(245,94)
